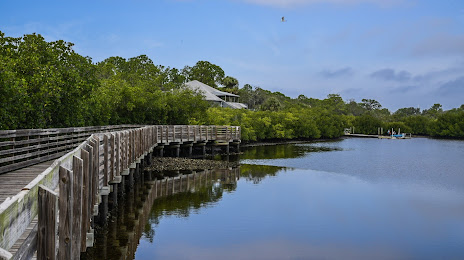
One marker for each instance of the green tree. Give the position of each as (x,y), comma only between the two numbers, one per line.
(230,83)
(370,104)
(433,111)
(271,104)
(45,83)
(367,124)
(418,124)
(205,72)
(448,124)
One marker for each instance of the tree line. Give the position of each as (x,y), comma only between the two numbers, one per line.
(47,84)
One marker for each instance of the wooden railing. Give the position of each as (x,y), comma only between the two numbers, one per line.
(25,147)
(22,148)
(85,173)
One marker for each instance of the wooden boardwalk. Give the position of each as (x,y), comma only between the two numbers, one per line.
(12,183)
(98,158)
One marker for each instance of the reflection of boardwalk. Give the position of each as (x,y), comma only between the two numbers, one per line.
(131,220)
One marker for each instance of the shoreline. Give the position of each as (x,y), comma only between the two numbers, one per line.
(280,142)
(160,164)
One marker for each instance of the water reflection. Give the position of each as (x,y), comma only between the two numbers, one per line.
(401,200)
(305,214)
(418,161)
(257,173)
(142,207)
(288,150)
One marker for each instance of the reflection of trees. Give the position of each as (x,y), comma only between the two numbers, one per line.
(181,204)
(257,173)
(272,152)
(283,151)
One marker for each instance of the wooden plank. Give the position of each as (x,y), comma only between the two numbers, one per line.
(46,228)
(65,203)
(105,160)
(78,166)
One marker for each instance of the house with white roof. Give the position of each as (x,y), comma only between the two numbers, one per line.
(216,97)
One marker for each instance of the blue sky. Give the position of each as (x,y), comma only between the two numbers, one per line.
(400,52)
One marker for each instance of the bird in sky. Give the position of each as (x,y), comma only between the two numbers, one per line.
(283,19)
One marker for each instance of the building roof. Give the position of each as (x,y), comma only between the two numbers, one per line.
(210,93)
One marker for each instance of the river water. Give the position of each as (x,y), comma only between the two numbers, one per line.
(345,199)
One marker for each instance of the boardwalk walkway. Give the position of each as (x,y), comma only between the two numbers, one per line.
(102,156)
(12,183)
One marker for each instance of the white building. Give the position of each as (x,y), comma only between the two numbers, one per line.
(217,97)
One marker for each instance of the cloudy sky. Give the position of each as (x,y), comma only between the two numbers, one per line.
(402,53)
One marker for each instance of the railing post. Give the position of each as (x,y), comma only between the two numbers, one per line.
(156,134)
(85,199)
(131,147)
(77,207)
(105,160)
(126,149)
(95,176)
(117,143)
(46,227)
(65,202)
(195,133)
(113,157)
(173,133)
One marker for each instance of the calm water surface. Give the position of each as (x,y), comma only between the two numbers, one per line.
(346,199)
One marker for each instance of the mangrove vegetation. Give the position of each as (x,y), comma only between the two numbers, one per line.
(47,84)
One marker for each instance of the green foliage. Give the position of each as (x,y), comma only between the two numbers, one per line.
(205,72)
(433,112)
(370,104)
(285,124)
(407,111)
(418,124)
(230,84)
(47,84)
(397,127)
(43,83)
(271,104)
(367,124)
(449,124)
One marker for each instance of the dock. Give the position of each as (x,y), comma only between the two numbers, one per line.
(400,136)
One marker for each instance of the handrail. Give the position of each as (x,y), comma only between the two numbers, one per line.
(109,154)
(25,147)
